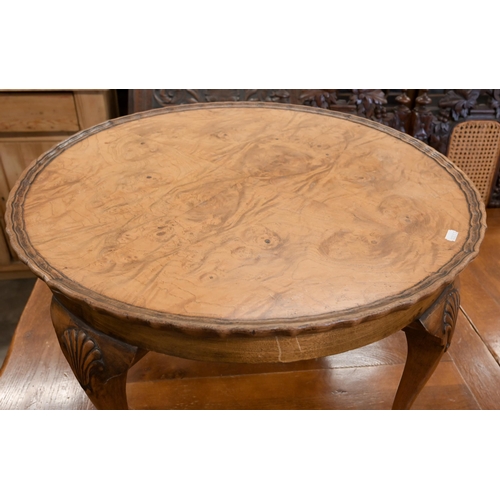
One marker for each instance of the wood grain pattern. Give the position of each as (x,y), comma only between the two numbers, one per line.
(155,366)
(247,214)
(368,388)
(27,112)
(473,358)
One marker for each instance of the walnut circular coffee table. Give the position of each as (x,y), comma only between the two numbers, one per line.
(244,232)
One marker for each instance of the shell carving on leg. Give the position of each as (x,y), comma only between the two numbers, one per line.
(83,354)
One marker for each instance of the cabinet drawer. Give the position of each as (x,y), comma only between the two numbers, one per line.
(15,155)
(38,112)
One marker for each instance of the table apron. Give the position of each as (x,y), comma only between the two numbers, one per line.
(250,349)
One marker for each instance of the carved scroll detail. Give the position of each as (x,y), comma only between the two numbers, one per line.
(368,101)
(168,97)
(319,98)
(269,95)
(165,97)
(494,101)
(83,354)
(450,314)
(459,102)
(278,96)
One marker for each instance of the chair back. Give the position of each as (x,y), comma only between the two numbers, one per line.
(475,148)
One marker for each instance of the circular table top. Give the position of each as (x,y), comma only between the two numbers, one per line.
(245,215)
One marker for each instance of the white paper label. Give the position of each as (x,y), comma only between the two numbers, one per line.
(451,235)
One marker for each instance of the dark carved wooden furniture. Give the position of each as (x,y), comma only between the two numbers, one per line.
(428,115)
(245,232)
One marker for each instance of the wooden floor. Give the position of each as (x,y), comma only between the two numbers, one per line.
(36,376)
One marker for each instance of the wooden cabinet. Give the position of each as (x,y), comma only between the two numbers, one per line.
(31,122)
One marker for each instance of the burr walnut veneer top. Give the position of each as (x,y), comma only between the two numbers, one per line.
(245,214)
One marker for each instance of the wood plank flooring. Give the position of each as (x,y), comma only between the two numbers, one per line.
(13,297)
(36,376)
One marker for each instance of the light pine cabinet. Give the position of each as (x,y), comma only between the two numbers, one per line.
(31,122)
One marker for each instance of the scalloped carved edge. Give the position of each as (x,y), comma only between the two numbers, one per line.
(83,355)
(60,283)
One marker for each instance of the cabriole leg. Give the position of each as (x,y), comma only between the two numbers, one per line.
(428,339)
(99,362)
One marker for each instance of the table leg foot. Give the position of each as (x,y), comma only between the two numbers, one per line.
(428,339)
(99,362)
